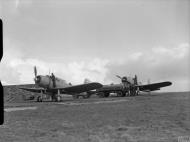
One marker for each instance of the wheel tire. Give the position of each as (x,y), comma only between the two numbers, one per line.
(123,94)
(106,94)
(119,93)
(39,99)
(58,98)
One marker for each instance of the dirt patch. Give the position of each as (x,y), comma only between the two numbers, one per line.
(19,108)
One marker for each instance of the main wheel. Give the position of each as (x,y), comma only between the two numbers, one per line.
(39,99)
(119,93)
(123,94)
(106,94)
(58,98)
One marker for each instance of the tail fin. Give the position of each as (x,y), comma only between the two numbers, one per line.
(86,80)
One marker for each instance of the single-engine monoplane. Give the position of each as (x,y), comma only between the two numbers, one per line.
(52,86)
(130,86)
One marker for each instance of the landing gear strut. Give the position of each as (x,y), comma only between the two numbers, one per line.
(40,98)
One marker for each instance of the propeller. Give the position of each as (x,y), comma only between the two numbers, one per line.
(35,71)
(128,80)
(35,74)
(118,76)
(123,79)
(36,77)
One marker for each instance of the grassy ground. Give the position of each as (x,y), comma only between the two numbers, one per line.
(156,118)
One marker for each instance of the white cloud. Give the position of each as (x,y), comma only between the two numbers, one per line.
(174,52)
(15,69)
(159,64)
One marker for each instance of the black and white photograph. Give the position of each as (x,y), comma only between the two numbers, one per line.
(95,70)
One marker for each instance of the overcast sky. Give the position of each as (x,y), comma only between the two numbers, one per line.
(97,39)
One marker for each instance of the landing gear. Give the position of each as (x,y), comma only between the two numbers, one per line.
(103,94)
(106,94)
(55,97)
(134,92)
(58,98)
(121,94)
(137,93)
(39,99)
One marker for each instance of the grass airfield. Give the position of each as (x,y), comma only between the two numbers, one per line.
(159,117)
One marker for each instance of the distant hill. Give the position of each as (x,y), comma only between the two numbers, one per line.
(12,93)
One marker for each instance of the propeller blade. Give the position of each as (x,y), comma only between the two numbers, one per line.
(35,71)
(35,74)
(118,76)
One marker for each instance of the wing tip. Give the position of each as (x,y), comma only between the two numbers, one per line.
(99,85)
(168,83)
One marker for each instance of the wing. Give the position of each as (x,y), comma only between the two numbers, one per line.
(35,90)
(153,86)
(77,88)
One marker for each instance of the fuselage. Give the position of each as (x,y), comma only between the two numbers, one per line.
(47,82)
